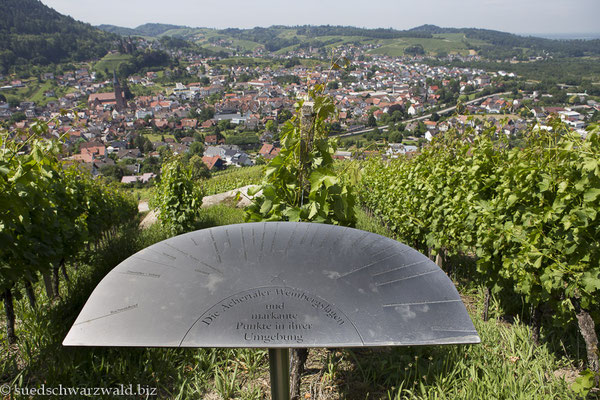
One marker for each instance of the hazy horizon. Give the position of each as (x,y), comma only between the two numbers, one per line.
(545,18)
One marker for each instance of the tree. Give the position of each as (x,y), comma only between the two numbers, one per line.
(271,126)
(224,125)
(17,117)
(300,183)
(198,168)
(115,172)
(283,116)
(150,164)
(177,198)
(148,147)
(397,116)
(385,118)
(371,121)
(196,148)
(396,137)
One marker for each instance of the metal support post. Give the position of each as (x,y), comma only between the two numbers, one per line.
(279,366)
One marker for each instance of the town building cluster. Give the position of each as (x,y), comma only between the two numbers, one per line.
(106,123)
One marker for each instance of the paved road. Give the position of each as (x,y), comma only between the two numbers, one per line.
(408,121)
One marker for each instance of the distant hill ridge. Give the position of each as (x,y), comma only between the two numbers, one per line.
(150,29)
(495,44)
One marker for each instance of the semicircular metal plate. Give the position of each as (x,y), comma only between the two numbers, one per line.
(276,284)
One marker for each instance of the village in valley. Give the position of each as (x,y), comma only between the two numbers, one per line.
(338,200)
(229,111)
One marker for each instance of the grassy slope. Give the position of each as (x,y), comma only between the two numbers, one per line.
(111,62)
(34,91)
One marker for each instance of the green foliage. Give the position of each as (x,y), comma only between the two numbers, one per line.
(177,198)
(415,50)
(143,60)
(233,178)
(530,214)
(115,172)
(584,383)
(300,184)
(287,79)
(47,212)
(198,168)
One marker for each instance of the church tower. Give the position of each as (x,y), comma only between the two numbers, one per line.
(119,97)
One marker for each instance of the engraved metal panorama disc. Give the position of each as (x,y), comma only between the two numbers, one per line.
(275,284)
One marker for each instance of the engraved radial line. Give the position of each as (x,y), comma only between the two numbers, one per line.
(364,248)
(314,236)
(192,239)
(369,265)
(262,242)
(399,268)
(327,236)
(162,253)
(254,245)
(244,244)
(422,303)
(182,252)
(408,277)
(383,250)
(201,272)
(228,238)
(274,236)
(340,236)
(211,267)
(129,308)
(305,233)
(289,243)
(215,246)
(361,237)
(155,262)
(143,274)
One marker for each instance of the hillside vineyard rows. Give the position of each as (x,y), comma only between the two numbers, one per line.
(48,214)
(529,215)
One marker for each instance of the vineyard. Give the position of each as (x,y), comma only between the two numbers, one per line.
(48,215)
(528,216)
(232,179)
(516,228)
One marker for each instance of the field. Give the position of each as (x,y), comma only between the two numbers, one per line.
(35,91)
(449,43)
(110,62)
(157,137)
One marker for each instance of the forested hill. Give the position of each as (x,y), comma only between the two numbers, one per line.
(32,33)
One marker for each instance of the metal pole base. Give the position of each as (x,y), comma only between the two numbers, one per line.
(279,366)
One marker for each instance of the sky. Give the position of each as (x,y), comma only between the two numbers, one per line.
(516,16)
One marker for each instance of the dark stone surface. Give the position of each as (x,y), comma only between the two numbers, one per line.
(276,284)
